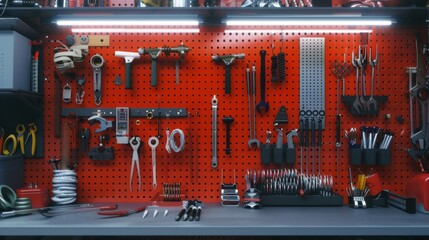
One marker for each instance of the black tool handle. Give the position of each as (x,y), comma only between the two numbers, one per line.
(128,84)
(193,214)
(319,143)
(313,132)
(307,134)
(188,213)
(338,124)
(180,215)
(227,79)
(197,217)
(153,77)
(301,132)
(263,53)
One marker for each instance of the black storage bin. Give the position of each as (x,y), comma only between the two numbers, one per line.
(278,155)
(355,156)
(370,156)
(383,156)
(12,171)
(266,153)
(290,156)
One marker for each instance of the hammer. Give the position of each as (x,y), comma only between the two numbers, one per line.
(129,57)
(227,60)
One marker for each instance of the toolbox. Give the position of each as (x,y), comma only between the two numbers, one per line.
(39,196)
(15,69)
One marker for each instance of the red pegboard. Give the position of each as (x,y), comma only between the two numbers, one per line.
(200,79)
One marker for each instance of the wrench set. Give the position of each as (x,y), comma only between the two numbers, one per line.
(363,104)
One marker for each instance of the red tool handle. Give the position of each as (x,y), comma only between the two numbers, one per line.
(115,213)
(122,212)
(111,207)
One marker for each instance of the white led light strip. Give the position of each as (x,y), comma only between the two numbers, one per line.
(316,22)
(158,22)
(135,30)
(298,31)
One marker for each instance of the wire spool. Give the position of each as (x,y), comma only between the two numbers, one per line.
(7,197)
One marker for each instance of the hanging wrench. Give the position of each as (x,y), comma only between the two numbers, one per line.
(214,132)
(97,63)
(356,61)
(373,63)
(135,144)
(362,64)
(153,143)
(252,114)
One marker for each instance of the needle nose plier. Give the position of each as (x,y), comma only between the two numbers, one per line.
(16,140)
(135,144)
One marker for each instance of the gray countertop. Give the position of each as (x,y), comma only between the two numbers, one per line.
(227,221)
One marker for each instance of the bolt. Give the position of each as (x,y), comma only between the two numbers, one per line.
(228,120)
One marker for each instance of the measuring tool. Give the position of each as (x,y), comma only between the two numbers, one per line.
(122,125)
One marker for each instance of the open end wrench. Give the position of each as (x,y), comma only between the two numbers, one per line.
(97,63)
(214,132)
(356,104)
(362,64)
(253,140)
(153,143)
(373,63)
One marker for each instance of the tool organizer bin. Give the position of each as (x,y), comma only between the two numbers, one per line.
(358,156)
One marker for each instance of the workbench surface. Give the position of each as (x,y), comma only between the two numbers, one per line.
(227,221)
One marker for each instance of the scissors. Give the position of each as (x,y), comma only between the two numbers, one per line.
(16,140)
(135,144)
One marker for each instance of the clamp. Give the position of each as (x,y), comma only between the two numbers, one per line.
(104,124)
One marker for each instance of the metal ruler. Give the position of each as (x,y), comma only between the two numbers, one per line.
(312,78)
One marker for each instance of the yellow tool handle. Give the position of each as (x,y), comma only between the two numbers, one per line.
(33,143)
(6,143)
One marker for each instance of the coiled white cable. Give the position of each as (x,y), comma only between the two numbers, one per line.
(172,142)
(64,184)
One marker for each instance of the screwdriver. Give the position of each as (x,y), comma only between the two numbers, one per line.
(307,142)
(301,139)
(319,143)
(313,141)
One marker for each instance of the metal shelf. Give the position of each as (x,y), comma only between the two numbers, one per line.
(228,221)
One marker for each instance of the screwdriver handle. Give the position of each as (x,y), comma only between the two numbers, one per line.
(228,79)
(301,132)
(263,53)
(338,124)
(307,134)
(180,215)
(197,217)
(313,132)
(320,132)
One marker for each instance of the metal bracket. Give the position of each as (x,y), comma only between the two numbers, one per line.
(134,112)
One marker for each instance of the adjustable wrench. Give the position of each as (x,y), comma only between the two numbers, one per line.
(97,63)
(153,143)
(251,91)
(214,132)
(293,133)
